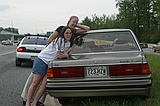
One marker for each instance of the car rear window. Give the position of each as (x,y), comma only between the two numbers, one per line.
(105,42)
(35,40)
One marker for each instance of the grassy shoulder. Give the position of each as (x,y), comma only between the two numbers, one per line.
(153,100)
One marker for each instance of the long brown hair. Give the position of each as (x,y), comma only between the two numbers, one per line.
(71,19)
(61,36)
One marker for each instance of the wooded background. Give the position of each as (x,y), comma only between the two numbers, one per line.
(141,16)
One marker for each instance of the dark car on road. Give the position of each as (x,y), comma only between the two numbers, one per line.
(107,62)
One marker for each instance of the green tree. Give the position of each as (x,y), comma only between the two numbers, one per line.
(142,16)
(101,22)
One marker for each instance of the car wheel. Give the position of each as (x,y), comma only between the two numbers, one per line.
(65,101)
(154,50)
(18,63)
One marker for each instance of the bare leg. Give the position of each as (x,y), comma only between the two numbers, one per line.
(26,87)
(36,80)
(41,91)
(42,99)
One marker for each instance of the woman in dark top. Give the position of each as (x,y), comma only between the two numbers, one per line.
(72,23)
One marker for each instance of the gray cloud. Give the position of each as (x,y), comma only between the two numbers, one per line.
(5,7)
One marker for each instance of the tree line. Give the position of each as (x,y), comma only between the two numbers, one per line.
(12,30)
(141,16)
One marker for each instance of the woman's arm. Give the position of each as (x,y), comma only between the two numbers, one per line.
(62,55)
(52,36)
(82,28)
(67,51)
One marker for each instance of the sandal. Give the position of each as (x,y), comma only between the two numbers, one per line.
(38,103)
(24,102)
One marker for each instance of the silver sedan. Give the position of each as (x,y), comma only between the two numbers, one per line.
(106,62)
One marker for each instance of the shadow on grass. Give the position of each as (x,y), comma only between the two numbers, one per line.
(109,101)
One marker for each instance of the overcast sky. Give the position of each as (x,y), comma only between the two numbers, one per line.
(40,16)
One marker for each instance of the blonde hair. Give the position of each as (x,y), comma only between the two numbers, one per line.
(71,19)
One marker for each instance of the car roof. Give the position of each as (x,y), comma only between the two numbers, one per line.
(36,36)
(34,39)
(107,30)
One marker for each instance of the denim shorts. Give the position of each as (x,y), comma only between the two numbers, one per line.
(39,67)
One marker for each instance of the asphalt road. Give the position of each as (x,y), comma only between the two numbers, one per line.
(12,78)
(149,50)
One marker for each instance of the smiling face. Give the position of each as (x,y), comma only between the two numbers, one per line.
(67,34)
(73,22)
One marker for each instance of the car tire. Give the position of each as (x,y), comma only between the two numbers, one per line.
(154,50)
(65,101)
(18,63)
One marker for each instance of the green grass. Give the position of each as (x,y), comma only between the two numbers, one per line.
(153,100)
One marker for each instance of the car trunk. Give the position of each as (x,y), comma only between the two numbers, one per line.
(33,48)
(99,65)
(131,57)
(120,71)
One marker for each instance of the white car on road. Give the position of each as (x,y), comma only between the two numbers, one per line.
(29,48)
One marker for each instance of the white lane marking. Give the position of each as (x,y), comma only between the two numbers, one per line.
(7,53)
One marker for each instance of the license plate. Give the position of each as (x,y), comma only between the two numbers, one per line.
(96,71)
(33,57)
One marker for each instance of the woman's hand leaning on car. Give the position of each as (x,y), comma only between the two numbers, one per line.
(62,55)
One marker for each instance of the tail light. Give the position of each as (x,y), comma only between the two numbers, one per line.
(129,69)
(21,49)
(145,69)
(65,72)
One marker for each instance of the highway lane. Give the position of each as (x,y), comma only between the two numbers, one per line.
(149,50)
(12,78)
(7,49)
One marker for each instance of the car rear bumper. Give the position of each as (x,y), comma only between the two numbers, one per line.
(7,44)
(23,59)
(99,92)
(25,56)
(81,88)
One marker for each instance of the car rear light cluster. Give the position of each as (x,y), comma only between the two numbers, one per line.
(21,49)
(129,69)
(65,72)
